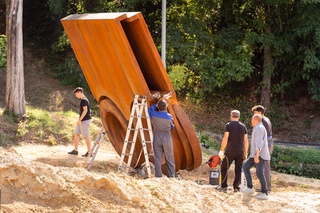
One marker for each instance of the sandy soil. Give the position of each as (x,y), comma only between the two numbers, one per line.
(41,178)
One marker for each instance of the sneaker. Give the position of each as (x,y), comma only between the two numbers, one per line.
(222,189)
(86,155)
(259,190)
(236,190)
(262,196)
(248,191)
(73,152)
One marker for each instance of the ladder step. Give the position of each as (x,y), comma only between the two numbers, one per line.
(150,154)
(131,129)
(129,141)
(140,116)
(126,154)
(126,167)
(146,129)
(148,141)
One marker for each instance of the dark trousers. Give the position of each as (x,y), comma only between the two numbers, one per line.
(238,157)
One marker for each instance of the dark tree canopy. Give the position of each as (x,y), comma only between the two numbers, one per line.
(214,48)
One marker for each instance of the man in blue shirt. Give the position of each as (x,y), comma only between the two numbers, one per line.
(162,141)
(259,153)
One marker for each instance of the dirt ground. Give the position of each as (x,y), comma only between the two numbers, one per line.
(40,178)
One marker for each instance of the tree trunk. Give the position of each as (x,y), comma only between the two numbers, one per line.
(267,71)
(15,96)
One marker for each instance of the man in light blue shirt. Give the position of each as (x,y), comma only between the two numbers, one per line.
(259,153)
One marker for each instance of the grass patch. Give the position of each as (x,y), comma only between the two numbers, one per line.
(206,139)
(295,161)
(41,125)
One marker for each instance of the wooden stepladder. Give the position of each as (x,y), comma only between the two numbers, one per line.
(137,113)
(94,150)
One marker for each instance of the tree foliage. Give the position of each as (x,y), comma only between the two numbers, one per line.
(3,53)
(222,43)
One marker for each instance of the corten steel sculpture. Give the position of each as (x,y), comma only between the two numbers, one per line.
(119,59)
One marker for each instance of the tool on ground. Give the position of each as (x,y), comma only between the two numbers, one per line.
(94,150)
(137,112)
(215,174)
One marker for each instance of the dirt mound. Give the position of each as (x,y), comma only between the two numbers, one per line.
(29,186)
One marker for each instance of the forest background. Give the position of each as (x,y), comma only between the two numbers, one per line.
(221,55)
(215,49)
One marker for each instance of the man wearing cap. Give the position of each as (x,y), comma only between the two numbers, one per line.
(162,141)
(267,124)
(235,141)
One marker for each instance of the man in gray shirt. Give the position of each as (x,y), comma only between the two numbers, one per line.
(259,109)
(259,153)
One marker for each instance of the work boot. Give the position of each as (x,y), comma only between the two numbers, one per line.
(86,155)
(222,189)
(236,190)
(73,152)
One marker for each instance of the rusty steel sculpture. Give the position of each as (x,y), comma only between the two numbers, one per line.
(119,59)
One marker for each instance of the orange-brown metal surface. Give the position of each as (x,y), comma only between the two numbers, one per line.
(119,59)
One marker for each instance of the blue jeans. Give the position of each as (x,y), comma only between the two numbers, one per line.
(259,171)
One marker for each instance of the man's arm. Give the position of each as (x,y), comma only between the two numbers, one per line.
(85,110)
(258,143)
(151,110)
(245,140)
(224,141)
(223,145)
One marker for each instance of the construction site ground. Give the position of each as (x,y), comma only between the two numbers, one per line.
(37,177)
(42,178)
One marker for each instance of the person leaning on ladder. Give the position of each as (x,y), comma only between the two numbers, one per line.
(162,141)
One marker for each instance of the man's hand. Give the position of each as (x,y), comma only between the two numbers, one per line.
(78,122)
(256,159)
(245,156)
(221,155)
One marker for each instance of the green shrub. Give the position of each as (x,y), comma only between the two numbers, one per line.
(3,53)
(206,139)
(296,161)
(178,76)
(11,116)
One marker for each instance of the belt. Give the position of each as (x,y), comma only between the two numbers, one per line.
(269,137)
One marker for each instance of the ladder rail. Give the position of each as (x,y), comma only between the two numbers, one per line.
(95,151)
(136,112)
(134,138)
(129,129)
(98,138)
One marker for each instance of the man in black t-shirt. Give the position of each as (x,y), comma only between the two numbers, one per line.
(235,141)
(83,123)
(259,109)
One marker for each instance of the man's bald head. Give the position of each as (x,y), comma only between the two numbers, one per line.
(256,119)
